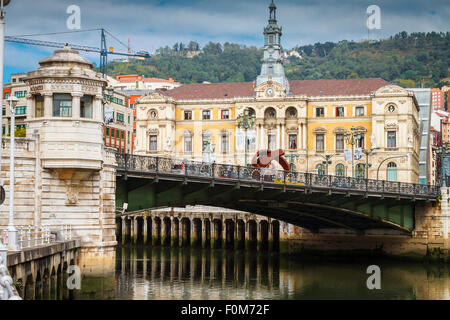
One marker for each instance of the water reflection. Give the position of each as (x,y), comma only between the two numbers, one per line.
(170,273)
(180,273)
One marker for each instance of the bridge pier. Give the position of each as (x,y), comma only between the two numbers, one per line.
(206,233)
(175,232)
(166,223)
(156,231)
(185,232)
(144,230)
(198,230)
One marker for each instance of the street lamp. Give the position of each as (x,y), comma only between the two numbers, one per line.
(327,161)
(352,138)
(3,3)
(367,153)
(246,121)
(12,231)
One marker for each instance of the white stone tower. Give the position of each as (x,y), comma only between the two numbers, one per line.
(272,68)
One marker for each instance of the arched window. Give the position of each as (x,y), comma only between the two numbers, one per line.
(320,169)
(340,170)
(360,171)
(391,171)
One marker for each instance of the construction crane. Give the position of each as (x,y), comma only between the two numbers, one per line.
(102,50)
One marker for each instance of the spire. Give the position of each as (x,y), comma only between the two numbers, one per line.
(273,13)
(272,68)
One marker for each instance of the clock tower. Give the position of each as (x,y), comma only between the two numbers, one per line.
(272,68)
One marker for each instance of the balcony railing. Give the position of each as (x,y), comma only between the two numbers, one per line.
(195,169)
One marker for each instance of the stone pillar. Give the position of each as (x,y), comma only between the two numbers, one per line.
(247,234)
(304,137)
(48,104)
(270,235)
(261,135)
(282,133)
(205,236)
(223,234)
(300,137)
(97,108)
(156,232)
(134,230)
(145,230)
(124,229)
(279,136)
(76,104)
(30,106)
(194,239)
(174,238)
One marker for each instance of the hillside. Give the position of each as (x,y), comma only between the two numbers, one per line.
(404,59)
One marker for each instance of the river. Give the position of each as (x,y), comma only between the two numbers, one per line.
(168,273)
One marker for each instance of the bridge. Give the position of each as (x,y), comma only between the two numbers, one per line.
(311,201)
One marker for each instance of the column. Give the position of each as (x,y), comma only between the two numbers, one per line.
(257,139)
(134,229)
(282,133)
(261,142)
(279,136)
(145,230)
(97,108)
(205,237)
(48,104)
(300,137)
(30,106)
(304,137)
(155,232)
(247,234)
(258,235)
(270,235)
(174,232)
(124,229)
(76,104)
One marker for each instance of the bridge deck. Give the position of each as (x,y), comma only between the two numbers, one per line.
(224,174)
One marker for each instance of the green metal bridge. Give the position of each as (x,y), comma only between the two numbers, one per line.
(307,200)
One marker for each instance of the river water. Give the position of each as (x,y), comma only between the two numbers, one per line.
(168,273)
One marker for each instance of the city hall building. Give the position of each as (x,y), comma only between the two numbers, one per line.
(308,119)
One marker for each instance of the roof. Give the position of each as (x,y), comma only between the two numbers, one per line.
(66,55)
(312,88)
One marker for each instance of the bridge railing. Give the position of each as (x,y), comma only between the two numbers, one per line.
(189,168)
(31,236)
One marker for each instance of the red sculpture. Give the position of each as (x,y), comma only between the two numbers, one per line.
(263,158)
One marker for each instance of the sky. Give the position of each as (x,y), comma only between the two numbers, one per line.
(150,24)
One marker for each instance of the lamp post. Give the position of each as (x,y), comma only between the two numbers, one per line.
(352,138)
(12,231)
(327,161)
(367,153)
(3,3)
(246,121)
(388,158)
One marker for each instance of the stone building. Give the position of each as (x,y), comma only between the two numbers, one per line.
(308,119)
(64,174)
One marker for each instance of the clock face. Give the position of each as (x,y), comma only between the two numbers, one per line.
(391,108)
(269,91)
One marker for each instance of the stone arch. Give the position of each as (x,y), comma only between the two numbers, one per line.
(175,236)
(240,233)
(207,239)
(291,113)
(217,233)
(197,232)
(29,287)
(270,113)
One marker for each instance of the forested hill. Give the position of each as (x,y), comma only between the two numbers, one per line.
(404,59)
